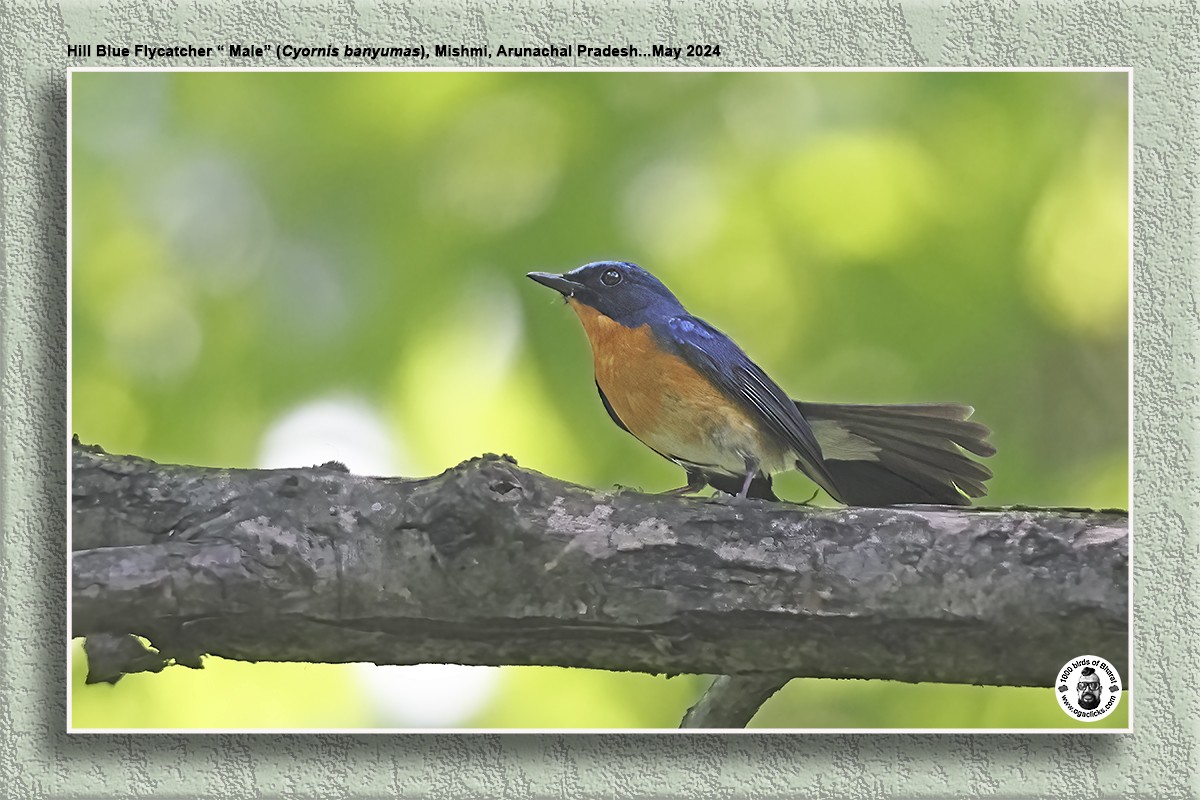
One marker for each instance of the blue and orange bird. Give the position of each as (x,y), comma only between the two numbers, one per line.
(690,394)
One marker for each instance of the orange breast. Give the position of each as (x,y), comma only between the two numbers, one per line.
(667,404)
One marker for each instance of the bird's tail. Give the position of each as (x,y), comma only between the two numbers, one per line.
(887,455)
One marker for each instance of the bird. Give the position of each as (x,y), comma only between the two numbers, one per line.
(688,392)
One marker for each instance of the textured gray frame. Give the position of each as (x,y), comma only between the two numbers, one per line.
(1161,42)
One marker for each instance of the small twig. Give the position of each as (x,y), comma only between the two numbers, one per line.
(731,701)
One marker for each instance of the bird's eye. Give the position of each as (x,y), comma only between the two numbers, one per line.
(611,277)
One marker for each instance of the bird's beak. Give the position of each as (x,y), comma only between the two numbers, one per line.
(558,283)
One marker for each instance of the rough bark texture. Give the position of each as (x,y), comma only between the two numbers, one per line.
(492,564)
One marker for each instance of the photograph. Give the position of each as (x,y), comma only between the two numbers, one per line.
(598,400)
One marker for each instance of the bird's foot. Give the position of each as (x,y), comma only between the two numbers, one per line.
(725,499)
(691,488)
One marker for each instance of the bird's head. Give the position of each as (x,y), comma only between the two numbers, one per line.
(619,290)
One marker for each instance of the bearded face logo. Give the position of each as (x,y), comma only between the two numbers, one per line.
(1089,689)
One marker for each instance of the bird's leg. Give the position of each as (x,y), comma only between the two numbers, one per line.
(751,471)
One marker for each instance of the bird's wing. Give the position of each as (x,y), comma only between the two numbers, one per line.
(611,412)
(719,359)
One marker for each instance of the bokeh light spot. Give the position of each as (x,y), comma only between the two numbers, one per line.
(429,695)
(104,410)
(673,209)
(858,195)
(215,221)
(501,163)
(152,331)
(1077,271)
(307,292)
(769,115)
(120,119)
(456,386)
(345,429)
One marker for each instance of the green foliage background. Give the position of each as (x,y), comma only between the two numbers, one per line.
(247,243)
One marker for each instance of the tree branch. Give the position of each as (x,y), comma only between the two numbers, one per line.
(492,564)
